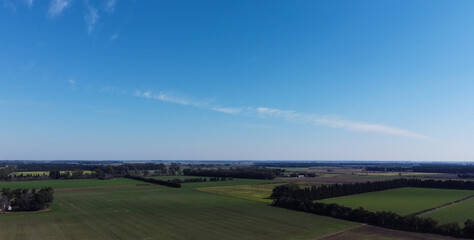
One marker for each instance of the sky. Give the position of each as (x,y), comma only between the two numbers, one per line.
(236,80)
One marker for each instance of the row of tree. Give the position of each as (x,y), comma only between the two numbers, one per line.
(383,219)
(241,172)
(155,181)
(74,174)
(337,190)
(5,171)
(193,180)
(28,200)
(110,169)
(444,168)
(466,176)
(388,169)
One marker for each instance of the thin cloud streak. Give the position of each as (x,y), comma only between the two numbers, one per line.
(181,101)
(29,3)
(56,7)
(110,6)
(335,122)
(170,99)
(289,115)
(91,18)
(227,110)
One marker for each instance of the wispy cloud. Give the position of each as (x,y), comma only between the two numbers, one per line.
(29,3)
(72,84)
(110,6)
(336,122)
(287,115)
(91,17)
(227,110)
(186,102)
(56,7)
(170,99)
(9,5)
(114,37)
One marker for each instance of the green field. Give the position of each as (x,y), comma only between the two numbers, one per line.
(41,173)
(72,183)
(155,212)
(255,192)
(457,212)
(402,201)
(259,192)
(235,182)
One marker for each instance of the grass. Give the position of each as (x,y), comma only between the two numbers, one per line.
(156,212)
(72,183)
(402,201)
(255,192)
(41,173)
(457,212)
(235,182)
(371,232)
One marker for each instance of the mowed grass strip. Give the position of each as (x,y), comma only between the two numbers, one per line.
(457,212)
(403,201)
(71,183)
(163,213)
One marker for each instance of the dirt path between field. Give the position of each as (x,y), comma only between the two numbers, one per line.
(442,206)
(101,188)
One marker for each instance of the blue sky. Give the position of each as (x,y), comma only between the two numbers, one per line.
(237,80)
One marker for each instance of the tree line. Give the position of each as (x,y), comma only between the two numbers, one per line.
(444,168)
(26,199)
(241,172)
(388,169)
(5,171)
(193,180)
(155,181)
(383,219)
(337,190)
(466,176)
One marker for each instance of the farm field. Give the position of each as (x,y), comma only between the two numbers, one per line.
(155,212)
(396,200)
(256,192)
(370,232)
(72,183)
(234,182)
(457,212)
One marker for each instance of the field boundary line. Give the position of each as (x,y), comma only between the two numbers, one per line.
(339,232)
(442,206)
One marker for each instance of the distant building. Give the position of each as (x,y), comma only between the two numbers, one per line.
(301,175)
